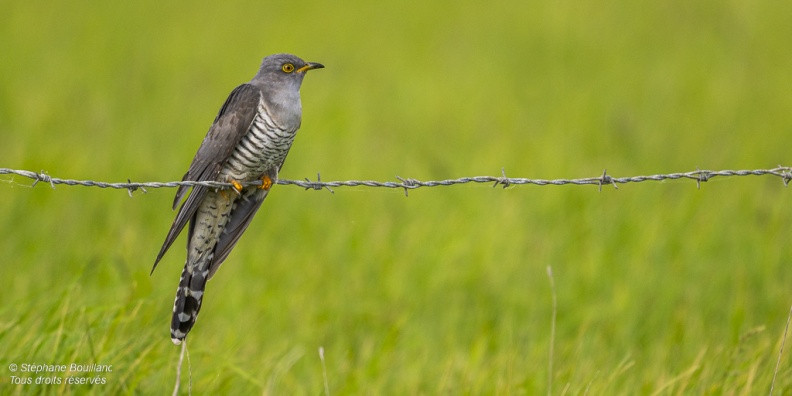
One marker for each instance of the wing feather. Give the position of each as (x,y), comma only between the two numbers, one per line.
(240,218)
(231,124)
(239,221)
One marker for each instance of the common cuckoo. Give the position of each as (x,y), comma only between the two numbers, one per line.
(248,141)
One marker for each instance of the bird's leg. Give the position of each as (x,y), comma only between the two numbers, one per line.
(266,183)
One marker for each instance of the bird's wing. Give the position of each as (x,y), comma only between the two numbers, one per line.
(239,219)
(231,124)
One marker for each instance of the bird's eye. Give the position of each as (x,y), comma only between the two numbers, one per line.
(287,68)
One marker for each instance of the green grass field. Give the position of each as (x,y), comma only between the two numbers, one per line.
(661,288)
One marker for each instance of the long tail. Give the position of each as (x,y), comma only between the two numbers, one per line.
(188,301)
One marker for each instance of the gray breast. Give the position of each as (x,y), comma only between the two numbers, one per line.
(263,147)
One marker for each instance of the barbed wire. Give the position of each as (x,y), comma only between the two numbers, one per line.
(783,172)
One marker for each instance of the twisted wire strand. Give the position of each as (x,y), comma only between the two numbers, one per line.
(783,172)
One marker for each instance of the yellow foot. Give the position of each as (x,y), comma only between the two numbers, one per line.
(266,183)
(237,186)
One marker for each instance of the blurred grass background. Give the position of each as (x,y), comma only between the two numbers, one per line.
(662,288)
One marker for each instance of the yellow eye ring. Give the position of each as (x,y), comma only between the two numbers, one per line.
(287,68)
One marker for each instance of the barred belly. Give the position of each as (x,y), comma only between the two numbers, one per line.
(263,147)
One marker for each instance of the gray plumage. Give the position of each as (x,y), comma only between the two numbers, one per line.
(248,141)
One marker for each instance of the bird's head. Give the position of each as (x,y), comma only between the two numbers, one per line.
(284,70)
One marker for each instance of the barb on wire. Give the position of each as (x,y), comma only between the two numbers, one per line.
(317,185)
(784,172)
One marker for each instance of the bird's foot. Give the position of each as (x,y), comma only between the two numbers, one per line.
(266,183)
(236,186)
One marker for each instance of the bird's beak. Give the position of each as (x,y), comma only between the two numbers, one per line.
(310,66)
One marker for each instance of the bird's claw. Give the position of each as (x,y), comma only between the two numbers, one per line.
(237,187)
(266,183)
